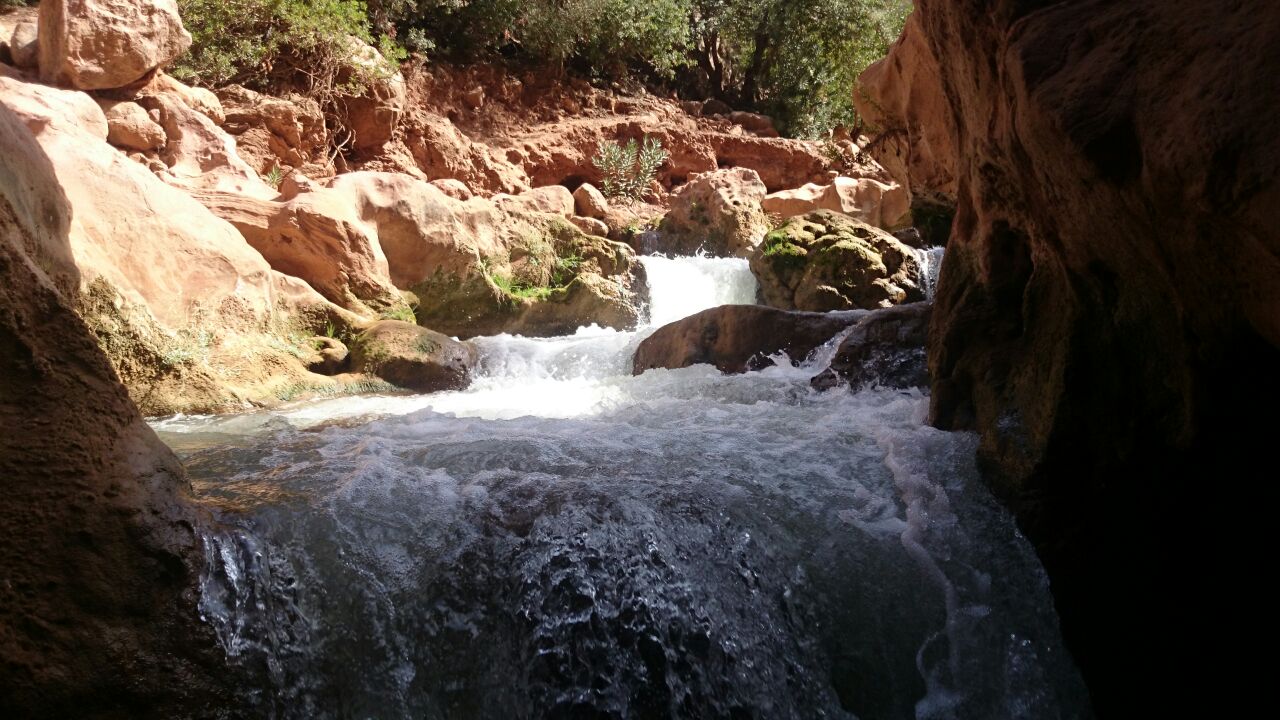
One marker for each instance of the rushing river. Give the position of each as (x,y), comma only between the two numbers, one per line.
(565,540)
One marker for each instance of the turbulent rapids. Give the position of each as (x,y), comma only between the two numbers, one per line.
(565,540)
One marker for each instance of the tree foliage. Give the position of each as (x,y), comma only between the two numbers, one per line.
(797,60)
(270,43)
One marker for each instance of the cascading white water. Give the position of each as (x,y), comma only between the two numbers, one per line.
(560,377)
(931,263)
(564,539)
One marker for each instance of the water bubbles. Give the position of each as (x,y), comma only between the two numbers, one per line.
(564,538)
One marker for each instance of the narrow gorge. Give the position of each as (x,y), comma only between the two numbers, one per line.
(609,359)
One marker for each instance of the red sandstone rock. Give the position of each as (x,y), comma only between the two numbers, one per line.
(738,338)
(1109,307)
(102,44)
(718,212)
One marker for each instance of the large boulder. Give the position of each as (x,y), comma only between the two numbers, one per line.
(19,38)
(718,213)
(1108,314)
(548,278)
(551,199)
(794,201)
(754,123)
(187,311)
(828,261)
(780,162)
(883,204)
(103,550)
(738,338)
(129,127)
(104,44)
(589,202)
(885,348)
(320,237)
(413,357)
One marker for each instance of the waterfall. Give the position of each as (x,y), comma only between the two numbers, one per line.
(564,538)
(931,263)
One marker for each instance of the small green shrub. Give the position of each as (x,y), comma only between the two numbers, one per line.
(521,289)
(274,177)
(403,313)
(628,170)
(566,269)
(838,156)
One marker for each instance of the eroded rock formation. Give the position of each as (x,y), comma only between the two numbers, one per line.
(717,213)
(1109,308)
(172,291)
(100,551)
(102,44)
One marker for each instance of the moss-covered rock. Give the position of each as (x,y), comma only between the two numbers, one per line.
(825,260)
(551,281)
(413,357)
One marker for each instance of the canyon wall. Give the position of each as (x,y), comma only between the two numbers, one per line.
(1108,314)
(100,552)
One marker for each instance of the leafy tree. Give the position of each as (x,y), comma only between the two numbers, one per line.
(272,43)
(795,59)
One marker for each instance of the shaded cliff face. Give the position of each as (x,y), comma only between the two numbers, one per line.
(98,553)
(1108,314)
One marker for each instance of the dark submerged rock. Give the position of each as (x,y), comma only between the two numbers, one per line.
(885,348)
(738,338)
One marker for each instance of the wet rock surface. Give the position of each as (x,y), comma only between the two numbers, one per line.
(885,348)
(739,338)
(413,357)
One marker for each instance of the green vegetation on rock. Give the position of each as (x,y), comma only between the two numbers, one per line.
(824,261)
(779,248)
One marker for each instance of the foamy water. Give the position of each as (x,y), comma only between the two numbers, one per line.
(565,540)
